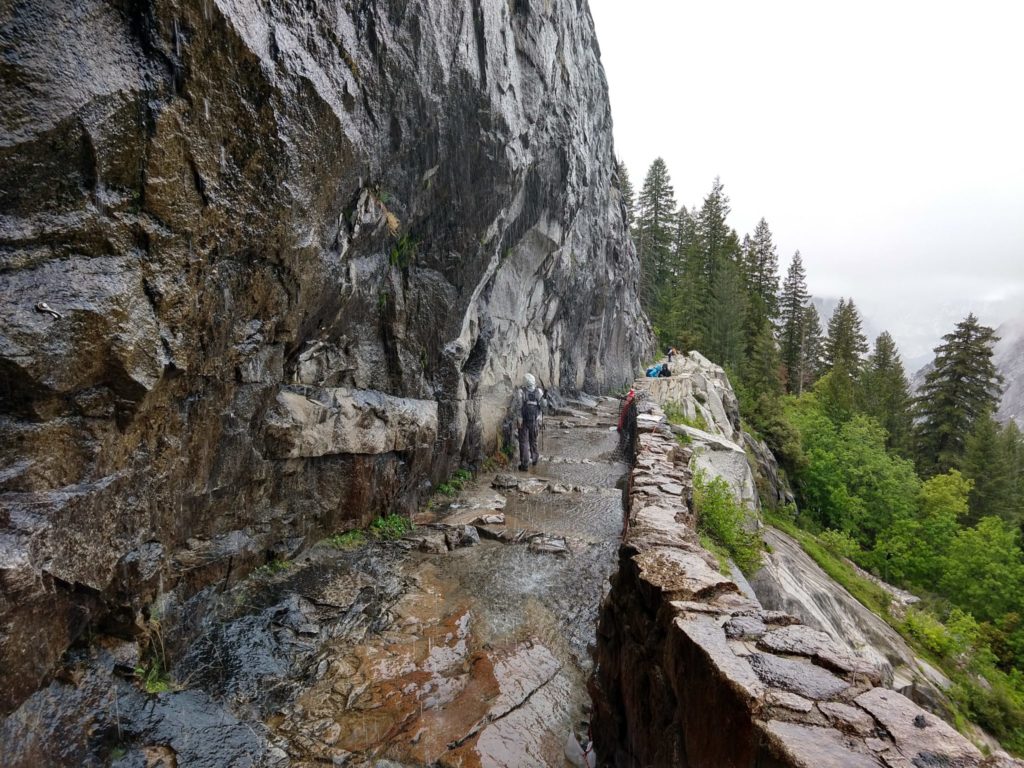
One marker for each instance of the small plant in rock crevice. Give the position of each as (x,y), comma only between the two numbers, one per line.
(273,567)
(676,415)
(455,483)
(152,674)
(347,541)
(404,251)
(390,527)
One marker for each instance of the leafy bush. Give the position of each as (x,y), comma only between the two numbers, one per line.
(390,527)
(839,543)
(404,251)
(930,632)
(996,704)
(724,520)
(455,483)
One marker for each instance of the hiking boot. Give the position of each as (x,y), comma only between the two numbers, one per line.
(524,468)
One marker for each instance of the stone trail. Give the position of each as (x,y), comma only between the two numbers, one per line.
(485,659)
(465,643)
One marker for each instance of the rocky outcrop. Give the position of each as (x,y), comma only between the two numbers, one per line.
(692,672)
(267,270)
(700,392)
(791,581)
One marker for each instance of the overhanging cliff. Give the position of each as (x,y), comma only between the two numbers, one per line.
(267,269)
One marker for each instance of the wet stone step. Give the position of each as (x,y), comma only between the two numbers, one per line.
(463,644)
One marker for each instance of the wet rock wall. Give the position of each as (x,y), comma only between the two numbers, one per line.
(268,269)
(692,672)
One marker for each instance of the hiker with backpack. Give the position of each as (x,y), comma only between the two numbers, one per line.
(530,417)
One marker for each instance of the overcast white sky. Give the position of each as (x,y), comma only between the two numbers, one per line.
(884,140)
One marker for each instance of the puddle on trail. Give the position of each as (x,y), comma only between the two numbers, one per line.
(471,657)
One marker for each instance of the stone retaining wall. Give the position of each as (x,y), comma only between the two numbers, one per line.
(690,672)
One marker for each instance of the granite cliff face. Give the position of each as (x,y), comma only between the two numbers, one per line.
(268,269)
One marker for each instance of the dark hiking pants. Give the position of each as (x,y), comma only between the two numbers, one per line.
(528,444)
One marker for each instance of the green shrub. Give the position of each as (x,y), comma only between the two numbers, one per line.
(929,632)
(996,704)
(390,527)
(839,543)
(718,551)
(724,520)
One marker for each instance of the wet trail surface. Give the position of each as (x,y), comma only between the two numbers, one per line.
(466,652)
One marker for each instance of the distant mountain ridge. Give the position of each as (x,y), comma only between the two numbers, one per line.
(1009,359)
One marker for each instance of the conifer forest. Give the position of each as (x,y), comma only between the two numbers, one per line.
(923,489)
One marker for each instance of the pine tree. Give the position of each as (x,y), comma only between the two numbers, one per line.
(725,341)
(760,372)
(988,463)
(713,231)
(690,295)
(792,301)
(812,350)
(886,393)
(846,344)
(626,189)
(762,269)
(963,387)
(655,235)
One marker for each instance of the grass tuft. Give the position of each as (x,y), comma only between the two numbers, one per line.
(390,527)
(348,540)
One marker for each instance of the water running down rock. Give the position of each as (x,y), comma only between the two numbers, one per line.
(452,655)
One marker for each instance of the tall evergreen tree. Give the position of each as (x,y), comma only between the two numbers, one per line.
(717,241)
(762,269)
(886,393)
(846,344)
(725,338)
(690,295)
(963,387)
(988,463)
(626,188)
(761,369)
(655,235)
(812,351)
(792,302)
